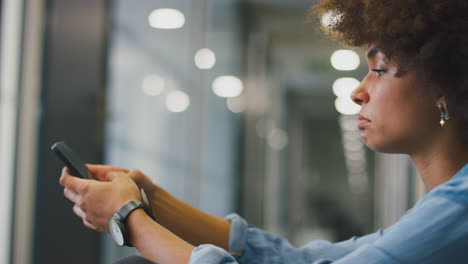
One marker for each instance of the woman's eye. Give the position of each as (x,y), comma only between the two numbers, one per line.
(379,72)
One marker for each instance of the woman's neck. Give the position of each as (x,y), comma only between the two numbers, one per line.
(440,160)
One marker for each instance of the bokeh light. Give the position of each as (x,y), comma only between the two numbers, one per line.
(177,101)
(166,18)
(343,87)
(345,60)
(153,85)
(227,86)
(205,59)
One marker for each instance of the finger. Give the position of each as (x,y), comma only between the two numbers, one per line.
(134,174)
(114,175)
(90,226)
(79,212)
(72,196)
(100,171)
(140,179)
(82,215)
(105,168)
(73,183)
(65,172)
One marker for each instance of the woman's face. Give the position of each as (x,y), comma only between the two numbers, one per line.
(399,114)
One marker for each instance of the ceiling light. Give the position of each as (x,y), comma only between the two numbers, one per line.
(345,60)
(205,59)
(177,101)
(166,18)
(153,85)
(277,139)
(346,106)
(227,86)
(236,105)
(343,87)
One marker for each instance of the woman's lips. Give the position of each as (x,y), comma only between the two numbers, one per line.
(362,122)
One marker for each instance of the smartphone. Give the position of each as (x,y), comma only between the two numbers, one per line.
(79,169)
(73,162)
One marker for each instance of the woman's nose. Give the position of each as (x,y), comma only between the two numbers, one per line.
(360,95)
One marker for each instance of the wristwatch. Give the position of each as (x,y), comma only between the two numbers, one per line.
(116,223)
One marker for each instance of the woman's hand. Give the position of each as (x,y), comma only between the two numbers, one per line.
(97,201)
(141,180)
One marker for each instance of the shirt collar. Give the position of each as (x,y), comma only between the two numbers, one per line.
(461,173)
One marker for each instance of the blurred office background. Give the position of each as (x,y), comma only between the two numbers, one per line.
(231,105)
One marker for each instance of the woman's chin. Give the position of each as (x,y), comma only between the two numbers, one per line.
(376,144)
(383,148)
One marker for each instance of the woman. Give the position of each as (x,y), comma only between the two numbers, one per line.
(414,100)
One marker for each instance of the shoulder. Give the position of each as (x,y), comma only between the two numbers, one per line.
(456,189)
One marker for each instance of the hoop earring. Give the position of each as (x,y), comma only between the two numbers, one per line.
(444,115)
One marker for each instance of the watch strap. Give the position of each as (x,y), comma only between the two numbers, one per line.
(121,216)
(127,209)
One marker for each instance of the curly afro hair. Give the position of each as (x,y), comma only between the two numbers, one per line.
(428,37)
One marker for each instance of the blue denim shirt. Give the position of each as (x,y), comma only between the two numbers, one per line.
(435,231)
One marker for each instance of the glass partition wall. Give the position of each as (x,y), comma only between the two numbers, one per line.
(309,176)
(165,116)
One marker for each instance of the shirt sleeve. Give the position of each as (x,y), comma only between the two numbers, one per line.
(248,244)
(210,254)
(254,245)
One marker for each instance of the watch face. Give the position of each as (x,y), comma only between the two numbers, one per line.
(116,232)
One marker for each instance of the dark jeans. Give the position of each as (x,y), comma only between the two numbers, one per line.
(134,260)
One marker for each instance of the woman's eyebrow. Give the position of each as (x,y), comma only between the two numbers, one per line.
(372,52)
